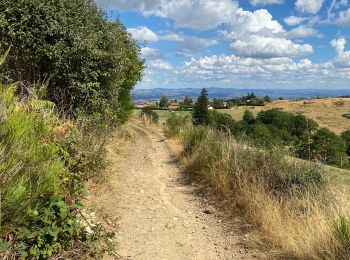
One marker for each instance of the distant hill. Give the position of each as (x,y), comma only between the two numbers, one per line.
(228,93)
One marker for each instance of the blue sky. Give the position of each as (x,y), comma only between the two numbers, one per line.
(239,44)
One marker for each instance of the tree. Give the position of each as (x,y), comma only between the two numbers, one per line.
(267,99)
(91,62)
(187,101)
(346,137)
(200,112)
(248,117)
(324,146)
(163,101)
(218,103)
(301,124)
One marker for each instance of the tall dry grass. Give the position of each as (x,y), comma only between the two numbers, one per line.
(290,201)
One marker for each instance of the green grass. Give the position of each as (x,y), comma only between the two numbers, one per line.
(165,114)
(31,167)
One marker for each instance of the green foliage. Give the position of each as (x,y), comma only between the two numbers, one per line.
(151,115)
(200,111)
(92,63)
(218,103)
(346,137)
(223,122)
(31,166)
(342,233)
(261,135)
(193,137)
(83,152)
(175,123)
(324,146)
(250,100)
(267,99)
(187,102)
(280,119)
(51,228)
(164,101)
(214,154)
(301,125)
(43,160)
(248,117)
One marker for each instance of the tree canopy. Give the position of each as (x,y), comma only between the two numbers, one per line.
(90,62)
(200,111)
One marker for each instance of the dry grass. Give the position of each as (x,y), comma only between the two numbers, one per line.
(291,202)
(327,112)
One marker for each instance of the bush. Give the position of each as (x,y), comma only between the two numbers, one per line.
(248,117)
(174,124)
(151,115)
(31,166)
(323,146)
(280,119)
(223,122)
(346,137)
(91,63)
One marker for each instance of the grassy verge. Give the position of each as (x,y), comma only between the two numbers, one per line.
(299,212)
(44,163)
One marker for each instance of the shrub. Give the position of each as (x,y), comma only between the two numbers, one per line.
(175,124)
(248,117)
(346,137)
(151,115)
(223,122)
(91,63)
(324,146)
(30,163)
(280,119)
(301,124)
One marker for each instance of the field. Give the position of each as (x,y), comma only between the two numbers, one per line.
(164,114)
(327,112)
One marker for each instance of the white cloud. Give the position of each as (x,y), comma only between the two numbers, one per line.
(194,14)
(344,18)
(141,5)
(294,20)
(160,65)
(268,47)
(150,53)
(256,34)
(343,58)
(309,6)
(143,33)
(265,2)
(219,68)
(303,31)
(197,14)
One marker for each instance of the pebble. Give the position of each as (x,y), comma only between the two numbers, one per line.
(209,210)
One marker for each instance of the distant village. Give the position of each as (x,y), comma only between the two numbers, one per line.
(187,103)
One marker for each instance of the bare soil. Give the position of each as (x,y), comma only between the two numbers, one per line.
(155,213)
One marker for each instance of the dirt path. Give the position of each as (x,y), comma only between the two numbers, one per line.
(155,215)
